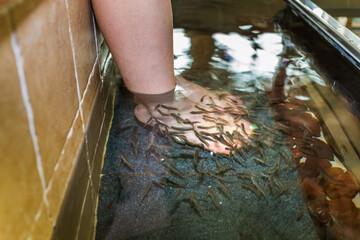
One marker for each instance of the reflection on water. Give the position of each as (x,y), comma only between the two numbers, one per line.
(155,187)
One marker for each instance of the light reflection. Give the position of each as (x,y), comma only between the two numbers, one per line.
(181,49)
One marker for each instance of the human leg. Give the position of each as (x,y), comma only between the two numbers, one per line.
(139,35)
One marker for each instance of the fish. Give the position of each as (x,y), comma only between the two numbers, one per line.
(147,189)
(197,112)
(168,107)
(187,121)
(261,162)
(243,128)
(201,167)
(180,139)
(163,114)
(213,197)
(202,109)
(258,186)
(205,127)
(195,202)
(201,138)
(182,128)
(177,194)
(167,181)
(135,140)
(224,192)
(202,98)
(126,163)
(196,159)
(251,188)
(150,143)
(213,174)
(177,118)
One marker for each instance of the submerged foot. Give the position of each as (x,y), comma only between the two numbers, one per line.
(197,116)
(221,101)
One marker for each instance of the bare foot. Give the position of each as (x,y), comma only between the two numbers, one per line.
(194,123)
(219,100)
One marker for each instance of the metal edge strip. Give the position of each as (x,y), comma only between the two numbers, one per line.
(345,41)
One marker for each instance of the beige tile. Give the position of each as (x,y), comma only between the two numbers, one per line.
(90,95)
(87,221)
(42,228)
(65,166)
(104,54)
(20,187)
(3,3)
(69,216)
(82,30)
(43,34)
(93,113)
(98,160)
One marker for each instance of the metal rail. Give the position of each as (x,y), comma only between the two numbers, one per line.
(345,41)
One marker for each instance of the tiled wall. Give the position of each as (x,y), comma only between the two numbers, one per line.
(49,145)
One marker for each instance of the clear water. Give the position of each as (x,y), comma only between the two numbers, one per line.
(277,187)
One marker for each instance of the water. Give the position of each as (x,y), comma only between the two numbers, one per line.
(288,183)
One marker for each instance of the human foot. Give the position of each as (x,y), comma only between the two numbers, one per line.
(222,101)
(192,123)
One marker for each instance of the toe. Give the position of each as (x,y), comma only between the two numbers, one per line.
(142,114)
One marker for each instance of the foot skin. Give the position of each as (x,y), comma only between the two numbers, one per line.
(221,101)
(210,122)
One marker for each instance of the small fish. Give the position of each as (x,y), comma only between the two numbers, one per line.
(135,140)
(201,167)
(243,128)
(196,159)
(175,172)
(182,128)
(209,119)
(237,156)
(177,194)
(167,181)
(213,197)
(163,114)
(147,189)
(283,190)
(202,139)
(168,107)
(202,109)
(213,174)
(261,162)
(195,202)
(212,101)
(220,129)
(258,186)
(222,95)
(177,117)
(205,127)
(251,188)
(180,139)
(187,121)
(223,191)
(223,120)
(202,98)
(126,162)
(150,143)
(109,204)
(221,170)
(119,130)
(197,112)
(157,107)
